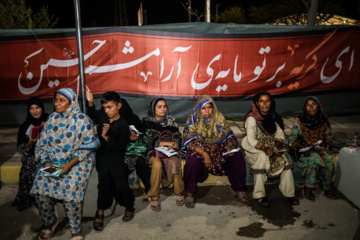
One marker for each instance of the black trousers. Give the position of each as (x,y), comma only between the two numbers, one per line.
(113,182)
(144,172)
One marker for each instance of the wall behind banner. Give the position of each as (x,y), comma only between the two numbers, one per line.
(183,61)
(334,104)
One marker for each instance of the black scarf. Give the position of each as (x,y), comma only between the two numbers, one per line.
(132,119)
(30,120)
(313,122)
(265,122)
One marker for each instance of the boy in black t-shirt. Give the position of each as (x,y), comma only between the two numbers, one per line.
(114,134)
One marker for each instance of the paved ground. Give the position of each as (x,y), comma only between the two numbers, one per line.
(217,214)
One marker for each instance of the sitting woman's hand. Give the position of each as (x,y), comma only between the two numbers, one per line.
(279,145)
(31,142)
(172,145)
(298,145)
(207,159)
(327,148)
(267,151)
(229,148)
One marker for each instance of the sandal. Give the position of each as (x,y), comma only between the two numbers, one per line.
(128,216)
(190,202)
(308,194)
(263,202)
(155,206)
(77,237)
(329,194)
(99,226)
(243,197)
(293,200)
(145,199)
(46,234)
(180,200)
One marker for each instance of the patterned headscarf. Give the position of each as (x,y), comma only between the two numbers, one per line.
(66,134)
(214,129)
(167,121)
(313,122)
(265,122)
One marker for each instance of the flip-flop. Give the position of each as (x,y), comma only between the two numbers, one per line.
(293,200)
(263,202)
(190,202)
(46,234)
(77,238)
(155,206)
(309,195)
(243,197)
(180,200)
(329,194)
(145,200)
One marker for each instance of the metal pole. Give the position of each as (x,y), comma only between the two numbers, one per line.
(311,19)
(189,10)
(207,8)
(80,53)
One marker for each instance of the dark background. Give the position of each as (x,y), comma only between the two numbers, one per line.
(103,13)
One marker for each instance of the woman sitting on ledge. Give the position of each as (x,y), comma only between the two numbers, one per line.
(208,140)
(164,170)
(263,145)
(309,128)
(36,116)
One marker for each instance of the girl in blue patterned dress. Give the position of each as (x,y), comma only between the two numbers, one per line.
(67,142)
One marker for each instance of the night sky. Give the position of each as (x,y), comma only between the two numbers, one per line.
(95,13)
(101,13)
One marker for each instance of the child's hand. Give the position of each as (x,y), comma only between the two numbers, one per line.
(133,136)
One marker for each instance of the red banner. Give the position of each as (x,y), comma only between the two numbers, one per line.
(146,63)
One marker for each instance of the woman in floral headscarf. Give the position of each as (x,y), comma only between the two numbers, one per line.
(310,127)
(67,142)
(207,137)
(263,145)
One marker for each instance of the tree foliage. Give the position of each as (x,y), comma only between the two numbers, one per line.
(291,12)
(15,14)
(232,14)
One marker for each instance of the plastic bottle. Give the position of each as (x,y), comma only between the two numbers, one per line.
(355,141)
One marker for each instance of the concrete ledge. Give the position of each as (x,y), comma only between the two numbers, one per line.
(10,170)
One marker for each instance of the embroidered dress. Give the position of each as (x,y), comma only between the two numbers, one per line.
(258,161)
(265,130)
(315,162)
(214,136)
(66,135)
